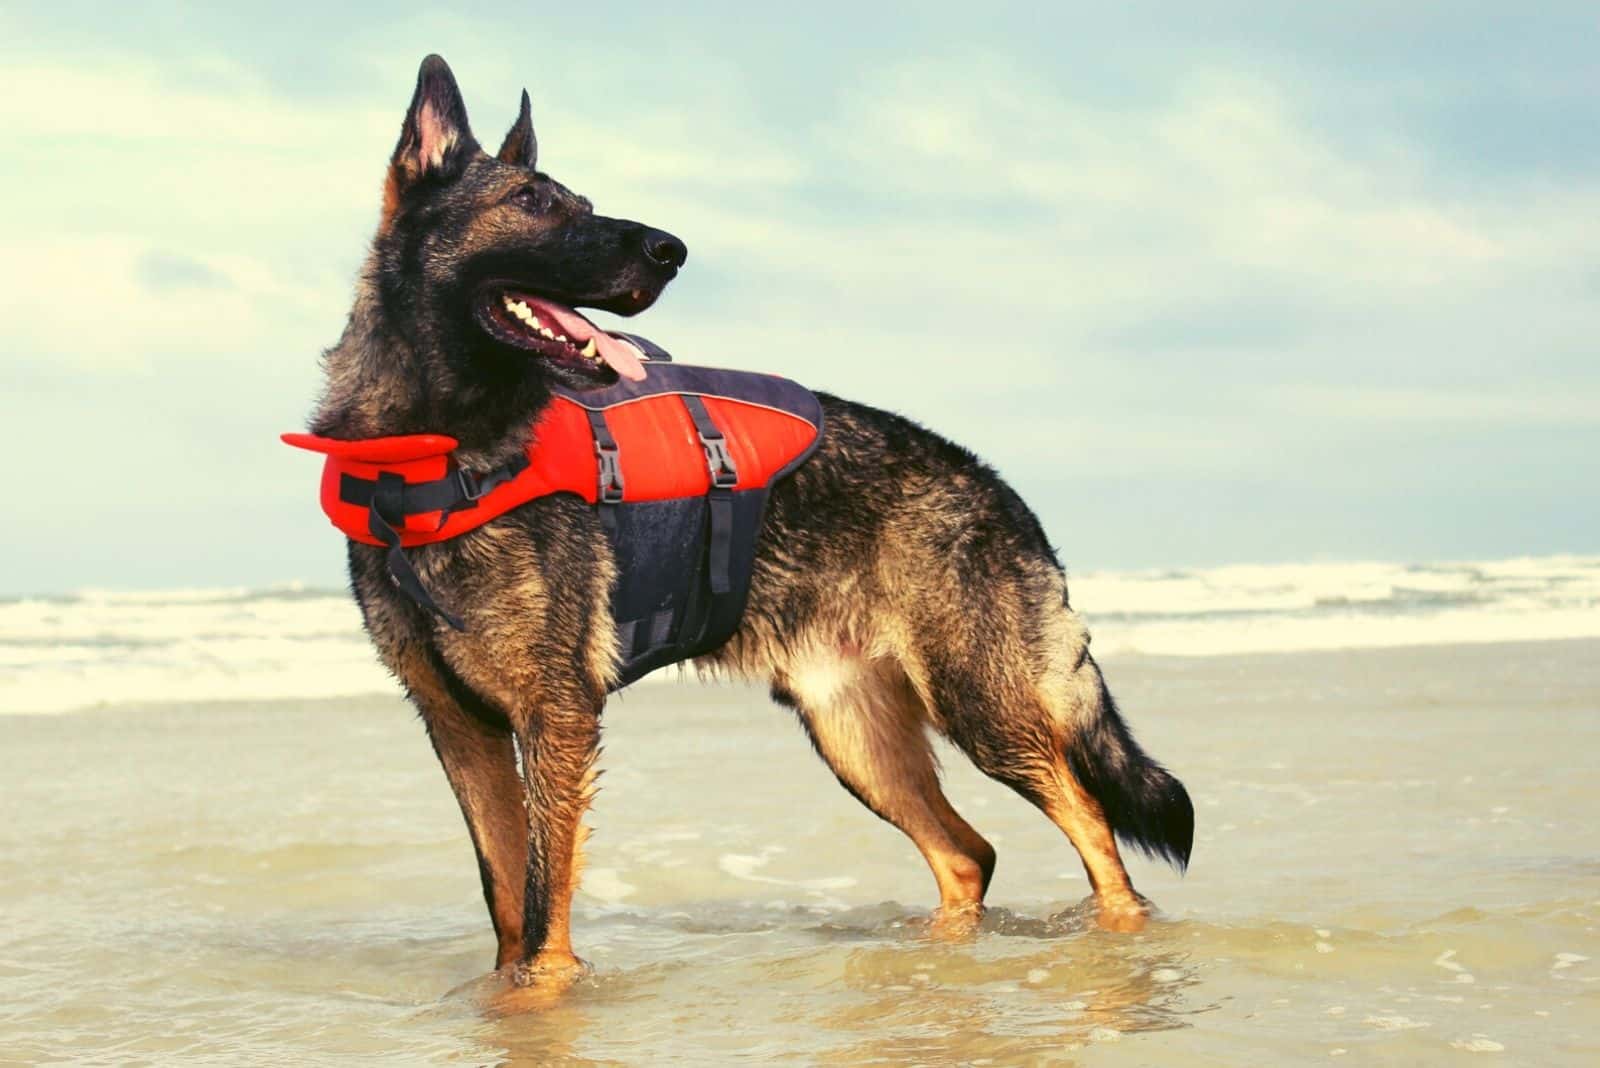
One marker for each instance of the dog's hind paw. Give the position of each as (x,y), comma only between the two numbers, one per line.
(1123,915)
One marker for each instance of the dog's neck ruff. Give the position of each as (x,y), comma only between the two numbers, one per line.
(678,465)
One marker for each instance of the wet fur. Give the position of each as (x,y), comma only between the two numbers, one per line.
(900,587)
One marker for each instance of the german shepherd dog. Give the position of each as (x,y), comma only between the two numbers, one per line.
(900,587)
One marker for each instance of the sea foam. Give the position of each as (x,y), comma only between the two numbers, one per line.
(101,647)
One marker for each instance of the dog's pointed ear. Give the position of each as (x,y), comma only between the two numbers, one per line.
(521,147)
(436,141)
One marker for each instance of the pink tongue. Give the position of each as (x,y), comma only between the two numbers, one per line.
(623,357)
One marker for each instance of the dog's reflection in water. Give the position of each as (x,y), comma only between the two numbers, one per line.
(896,990)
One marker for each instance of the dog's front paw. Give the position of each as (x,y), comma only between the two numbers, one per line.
(955,923)
(549,970)
(537,984)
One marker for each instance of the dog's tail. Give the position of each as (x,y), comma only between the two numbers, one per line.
(1145,804)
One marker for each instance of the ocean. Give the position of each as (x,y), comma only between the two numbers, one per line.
(226,841)
(100,647)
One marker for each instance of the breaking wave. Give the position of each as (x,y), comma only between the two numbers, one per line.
(99,647)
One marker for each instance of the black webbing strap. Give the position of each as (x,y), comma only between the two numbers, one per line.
(719,497)
(721,549)
(386,509)
(696,613)
(610,472)
(389,500)
(458,490)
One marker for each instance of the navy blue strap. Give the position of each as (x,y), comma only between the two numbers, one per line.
(609,457)
(719,498)
(720,552)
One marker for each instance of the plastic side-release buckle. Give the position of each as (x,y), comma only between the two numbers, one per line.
(471,489)
(475,487)
(609,457)
(719,461)
(610,472)
(724,474)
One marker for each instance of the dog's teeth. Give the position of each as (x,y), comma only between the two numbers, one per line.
(545,330)
(518,308)
(587,352)
(561,337)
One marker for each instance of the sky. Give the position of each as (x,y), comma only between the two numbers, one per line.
(1207,282)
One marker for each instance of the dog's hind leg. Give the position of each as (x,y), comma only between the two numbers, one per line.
(1031,766)
(869,726)
(1040,720)
(475,748)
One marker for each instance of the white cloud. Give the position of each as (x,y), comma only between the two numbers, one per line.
(278,195)
(1192,281)
(87,302)
(1220,175)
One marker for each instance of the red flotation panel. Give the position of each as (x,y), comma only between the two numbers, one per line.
(770,425)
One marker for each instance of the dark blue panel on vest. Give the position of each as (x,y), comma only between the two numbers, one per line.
(663,604)
(660,547)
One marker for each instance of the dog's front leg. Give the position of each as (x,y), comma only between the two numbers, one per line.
(559,740)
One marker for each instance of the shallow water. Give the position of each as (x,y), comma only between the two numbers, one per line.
(1397,861)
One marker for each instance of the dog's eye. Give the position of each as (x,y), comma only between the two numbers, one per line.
(526,198)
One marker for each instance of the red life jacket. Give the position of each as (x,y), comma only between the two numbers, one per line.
(678,464)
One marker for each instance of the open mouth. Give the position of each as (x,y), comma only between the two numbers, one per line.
(555,332)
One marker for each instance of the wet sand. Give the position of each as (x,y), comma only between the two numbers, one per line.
(1397,861)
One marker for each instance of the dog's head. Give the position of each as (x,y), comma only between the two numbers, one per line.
(484,259)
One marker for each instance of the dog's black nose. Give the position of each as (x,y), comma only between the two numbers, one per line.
(663,249)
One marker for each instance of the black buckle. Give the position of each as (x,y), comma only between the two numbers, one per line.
(610,473)
(474,488)
(471,488)
(724,474)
